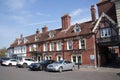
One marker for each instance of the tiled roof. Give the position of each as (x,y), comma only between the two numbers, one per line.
(86,28)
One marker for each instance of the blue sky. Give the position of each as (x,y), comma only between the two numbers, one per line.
(25,16)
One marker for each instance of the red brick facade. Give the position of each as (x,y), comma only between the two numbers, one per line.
(80,43)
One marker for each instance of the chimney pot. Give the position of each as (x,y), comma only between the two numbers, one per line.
(37,31)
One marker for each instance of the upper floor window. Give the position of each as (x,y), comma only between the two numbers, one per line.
(36,38)
(33,47)
(59,46)
(82,44)
(77,28)
(19,41)
(51,34)
(51,46)
(70,45)
(45,47)
(25,40)
(105,32)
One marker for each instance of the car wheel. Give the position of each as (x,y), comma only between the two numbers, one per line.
(60,69)
(73,68)
(10,64)
(25,65)
(41,68)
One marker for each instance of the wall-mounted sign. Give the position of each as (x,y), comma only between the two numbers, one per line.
(92,57)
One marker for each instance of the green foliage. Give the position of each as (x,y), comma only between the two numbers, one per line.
(2,52)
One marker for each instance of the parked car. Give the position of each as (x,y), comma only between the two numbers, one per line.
(25,62)
(10,62)
(3,59)
(61,66)
(41,65)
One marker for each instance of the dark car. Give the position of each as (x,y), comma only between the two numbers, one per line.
(3,59)
(41,65)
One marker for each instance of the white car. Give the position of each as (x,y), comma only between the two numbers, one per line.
(61,65)
(25,62)
(10,62)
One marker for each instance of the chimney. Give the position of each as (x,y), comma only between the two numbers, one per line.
(21,36)
(37,31)
(65,21)
(93,13)
(44,29)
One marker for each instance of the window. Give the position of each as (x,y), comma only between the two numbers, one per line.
(51,34)
(59,46)
(45,47)
(33,47)
(69,45)
(76,59)
(106,32)
(25,40)
(36,38)
(82,44)
(48,57)
(51,46)
(77,28)
(59,57)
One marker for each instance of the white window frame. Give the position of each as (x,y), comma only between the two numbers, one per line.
(76,57)
(48,57)
(59,46)
(77,27)
(106,32)
(80,44)
(51,46)
(58,57)
(45,47)
(68,45)
(51,34)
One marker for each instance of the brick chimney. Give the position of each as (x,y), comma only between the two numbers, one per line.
(44,29)
(37,31)
(21,36)
(93,13)
(65,21)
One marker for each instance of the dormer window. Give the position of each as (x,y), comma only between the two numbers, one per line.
(19,41)
(51,34)
(36,38)
(25,40)
(77,28)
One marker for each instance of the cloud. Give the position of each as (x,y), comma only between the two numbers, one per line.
(76,12)
(18,4)
(81,20)
(43,22)
(42,14)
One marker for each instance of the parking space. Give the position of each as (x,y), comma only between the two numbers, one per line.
(12,73)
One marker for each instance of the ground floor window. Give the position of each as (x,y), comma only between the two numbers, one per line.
(76,59)
(39,58)
(48,57)
(59,57)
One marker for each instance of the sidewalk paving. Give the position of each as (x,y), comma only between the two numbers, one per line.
(98,69)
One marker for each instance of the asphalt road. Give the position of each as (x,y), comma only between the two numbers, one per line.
(12,73)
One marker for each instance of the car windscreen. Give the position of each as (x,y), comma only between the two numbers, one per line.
(59,62)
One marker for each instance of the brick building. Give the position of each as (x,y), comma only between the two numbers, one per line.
(87,43)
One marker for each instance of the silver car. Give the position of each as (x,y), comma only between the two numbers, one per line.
(61,65)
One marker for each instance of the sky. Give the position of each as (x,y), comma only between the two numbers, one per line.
(25,16)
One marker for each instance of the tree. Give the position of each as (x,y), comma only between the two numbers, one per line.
(2,52)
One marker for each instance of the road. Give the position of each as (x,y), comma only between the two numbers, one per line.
(12,73)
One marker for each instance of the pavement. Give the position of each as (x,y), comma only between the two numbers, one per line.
(98,69)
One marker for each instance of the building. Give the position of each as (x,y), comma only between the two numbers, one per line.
(91,43)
